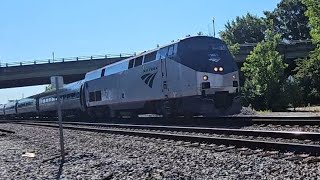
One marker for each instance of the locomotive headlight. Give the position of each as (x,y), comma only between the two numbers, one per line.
(215,69)
(220,69)
(205,77)
(234,76)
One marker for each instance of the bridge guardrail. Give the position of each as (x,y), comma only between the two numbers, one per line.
(244,47)
(68,59)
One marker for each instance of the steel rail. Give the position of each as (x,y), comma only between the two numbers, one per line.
(222,120)
(7,131)
(266,145)
(277,120)
(228,131)
(302,135)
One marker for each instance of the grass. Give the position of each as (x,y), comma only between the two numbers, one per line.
(263,111)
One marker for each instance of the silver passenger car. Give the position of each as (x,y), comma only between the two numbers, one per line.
(1,110)
(10,108)
(27,106)
(69,97)
(47,104)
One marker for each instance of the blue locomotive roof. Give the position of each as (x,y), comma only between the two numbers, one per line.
(203,53)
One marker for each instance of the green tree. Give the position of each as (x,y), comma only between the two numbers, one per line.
(234,48)
(308,70)
(308,76)
(48,88)
(244,29)
(264,74)
(293,93)
(313,14)
(289,20)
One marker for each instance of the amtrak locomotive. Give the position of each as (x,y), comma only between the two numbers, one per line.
(193,76)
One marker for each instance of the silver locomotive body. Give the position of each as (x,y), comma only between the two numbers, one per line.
(194,76)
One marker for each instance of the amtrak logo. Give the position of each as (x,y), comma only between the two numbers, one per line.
(214,57)
(148,78)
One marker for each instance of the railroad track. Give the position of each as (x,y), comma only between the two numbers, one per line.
(235,137)
(7,131)
(313,120)
(229,121)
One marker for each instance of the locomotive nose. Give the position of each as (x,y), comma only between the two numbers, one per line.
(210,83)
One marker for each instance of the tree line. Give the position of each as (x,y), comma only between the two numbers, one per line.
(266,85)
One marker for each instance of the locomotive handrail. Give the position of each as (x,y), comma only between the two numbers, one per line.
(67,59)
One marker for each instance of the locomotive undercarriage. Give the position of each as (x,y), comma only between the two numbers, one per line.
(219,104)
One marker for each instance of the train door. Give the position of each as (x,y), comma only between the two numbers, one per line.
(164,73)
(16,107)
(83,102)
(37,104)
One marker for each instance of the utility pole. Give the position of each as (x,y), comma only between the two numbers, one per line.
(57,82)
(214,28)
(53,57)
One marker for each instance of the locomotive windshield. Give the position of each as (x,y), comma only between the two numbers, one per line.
(205,53)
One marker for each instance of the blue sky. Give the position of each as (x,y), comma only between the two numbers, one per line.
(36,28)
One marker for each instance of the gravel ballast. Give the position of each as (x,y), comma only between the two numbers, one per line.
(271,127)
(107,156)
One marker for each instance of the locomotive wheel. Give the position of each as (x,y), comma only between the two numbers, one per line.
(92,114)
(165,109)
(109,113)
(134,115)
(112,113)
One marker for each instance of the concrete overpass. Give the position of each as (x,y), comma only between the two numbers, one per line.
(291,50)
(39,72)
(73,69)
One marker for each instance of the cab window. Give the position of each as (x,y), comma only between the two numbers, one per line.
(131,62)
(162,53)
(138,61)
(102,72)
(170,51)
(150,57)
